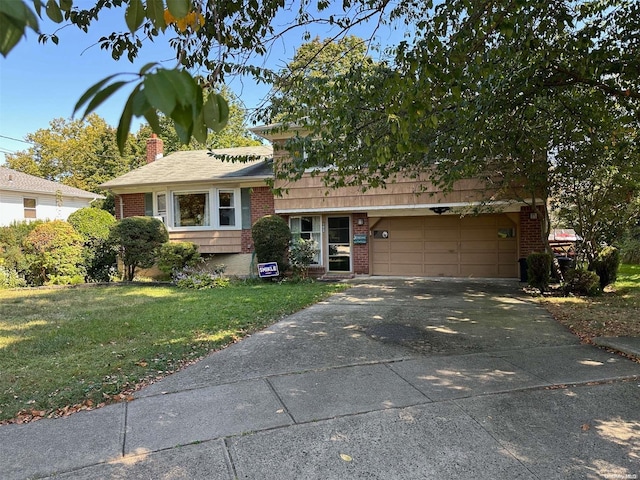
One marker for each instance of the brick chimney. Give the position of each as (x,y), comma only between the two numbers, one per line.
(154,148)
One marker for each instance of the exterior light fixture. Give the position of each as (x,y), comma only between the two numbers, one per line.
(440,210)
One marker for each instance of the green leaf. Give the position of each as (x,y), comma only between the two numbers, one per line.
(183,133)
(12,31)
(152,118)
(91,92)
(125,121)
(147,67)
(183,116)
(216,112)
(65,5)
(134,15)
(15,17)
(200,129)
(101,96)
(53,11)
(160,91)
(155,12)
(184,85)
(179,8)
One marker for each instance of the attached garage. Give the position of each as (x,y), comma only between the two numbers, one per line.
(445,246)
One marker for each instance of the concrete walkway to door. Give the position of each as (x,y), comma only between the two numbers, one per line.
(392,379)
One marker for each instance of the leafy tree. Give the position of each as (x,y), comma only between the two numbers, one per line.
(234,134)
(490,79)
(500,91)
(78,153)
(307,79)
(139,240)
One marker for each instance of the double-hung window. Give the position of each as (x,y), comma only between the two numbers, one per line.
(29,205)
(309,228)
(226,208)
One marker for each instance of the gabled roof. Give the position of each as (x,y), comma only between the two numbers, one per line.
(13,180)
(193,166)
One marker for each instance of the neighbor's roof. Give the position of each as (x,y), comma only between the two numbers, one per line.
(198,166)
(13,180)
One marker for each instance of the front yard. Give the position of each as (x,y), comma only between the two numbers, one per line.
(615,313)
(64,349)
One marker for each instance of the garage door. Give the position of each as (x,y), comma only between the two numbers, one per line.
(445,246)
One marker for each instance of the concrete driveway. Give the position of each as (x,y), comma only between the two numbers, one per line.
(393,379)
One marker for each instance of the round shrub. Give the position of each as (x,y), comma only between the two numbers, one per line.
(539,269)
(100,256)
(92,223)
(11,246)
(582,282)
(54,250)
(139,240)
(271,236)
(175,256)
(606,265)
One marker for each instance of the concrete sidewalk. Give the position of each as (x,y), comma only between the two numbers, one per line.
(392,379)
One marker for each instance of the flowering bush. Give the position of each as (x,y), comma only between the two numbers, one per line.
(10,278)
(199,280)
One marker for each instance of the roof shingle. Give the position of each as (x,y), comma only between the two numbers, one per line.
(14,180)
(199,166)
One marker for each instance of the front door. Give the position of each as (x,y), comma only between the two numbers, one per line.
(339,243)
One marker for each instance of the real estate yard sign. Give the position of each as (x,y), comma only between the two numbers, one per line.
(266,270)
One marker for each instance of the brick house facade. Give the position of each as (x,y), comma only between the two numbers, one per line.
(385,232)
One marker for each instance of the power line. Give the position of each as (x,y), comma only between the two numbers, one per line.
(15,139)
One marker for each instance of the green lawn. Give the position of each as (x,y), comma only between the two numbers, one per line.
(615,313)
(90,345)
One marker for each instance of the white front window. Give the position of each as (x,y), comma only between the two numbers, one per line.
(309,228)
(191,209)
(226,208)
(201,209)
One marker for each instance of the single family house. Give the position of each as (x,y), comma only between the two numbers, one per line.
(26,197)
(400,230)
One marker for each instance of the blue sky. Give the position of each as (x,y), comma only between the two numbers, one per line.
(39,83)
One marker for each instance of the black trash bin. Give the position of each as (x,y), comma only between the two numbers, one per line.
(524,272)
(565,264)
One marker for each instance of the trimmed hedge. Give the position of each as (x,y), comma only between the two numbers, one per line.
(539,269)
(139,240)
(606,265)
(271,236)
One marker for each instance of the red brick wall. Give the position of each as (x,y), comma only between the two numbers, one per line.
(530,232)
(361,252)
(261,205)
(132,205)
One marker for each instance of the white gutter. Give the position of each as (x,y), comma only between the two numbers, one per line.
(423,206)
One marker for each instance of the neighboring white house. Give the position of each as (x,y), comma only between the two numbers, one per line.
(25,197)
